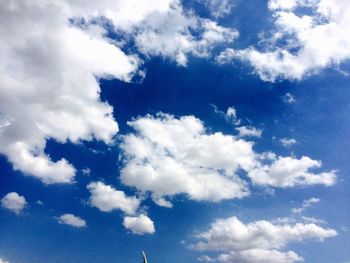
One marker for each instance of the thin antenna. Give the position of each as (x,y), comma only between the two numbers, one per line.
(144,257)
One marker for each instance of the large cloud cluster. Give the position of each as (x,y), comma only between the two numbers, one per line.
(259,241)
(168,156)
(54,52)
(302,42)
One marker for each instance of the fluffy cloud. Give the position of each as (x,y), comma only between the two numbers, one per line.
(168,34)
(289,172)
(140,225)
(106,199)
(3,261)
(52,56)
(14,202)
(69,219)
(260,241)
(310,41)
(167,156)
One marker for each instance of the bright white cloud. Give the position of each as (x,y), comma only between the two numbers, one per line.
(247,131)
(306,204)
(52,57)
(311,41)
(259,241)
(14,202)
(287,142)
(289,172)
(106,199)
(231,112)
(3,261)
(72,220)
(140,225)
(169,156)
(168,34)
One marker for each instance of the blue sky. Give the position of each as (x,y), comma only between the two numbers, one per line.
(198,131)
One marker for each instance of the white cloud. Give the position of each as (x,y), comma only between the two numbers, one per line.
(3,261)
(140,225)
(230,115)
(86,171)
(168,34)
(231,112)
(287,142)
(69,219)
(289,172)
(167,156)
(52,57)
(312,41)
(289,98)
(306,204)
(247,131)
(259,241)
(14,202)
(106,199)
(219,8)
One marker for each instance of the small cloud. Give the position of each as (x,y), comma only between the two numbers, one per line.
(306,204)
(231,112)
(139,225)
(230,115)
(86,171)
(289,98)
(107,199)
(72,220)
(162,202)
(248,131)
(14,202)
(39,202)
(205,258)
(287,142)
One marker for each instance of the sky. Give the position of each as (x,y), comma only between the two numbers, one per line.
(195,130)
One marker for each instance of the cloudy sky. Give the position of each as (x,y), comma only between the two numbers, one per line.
(196,130)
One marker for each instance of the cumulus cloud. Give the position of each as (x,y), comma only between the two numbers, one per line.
(106,199)
(168,34)
(14,202)
(72,220)
(259,241)
(289,172)
(167,156)
(53,54)
(140,224)
(302,43)
(3,261)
